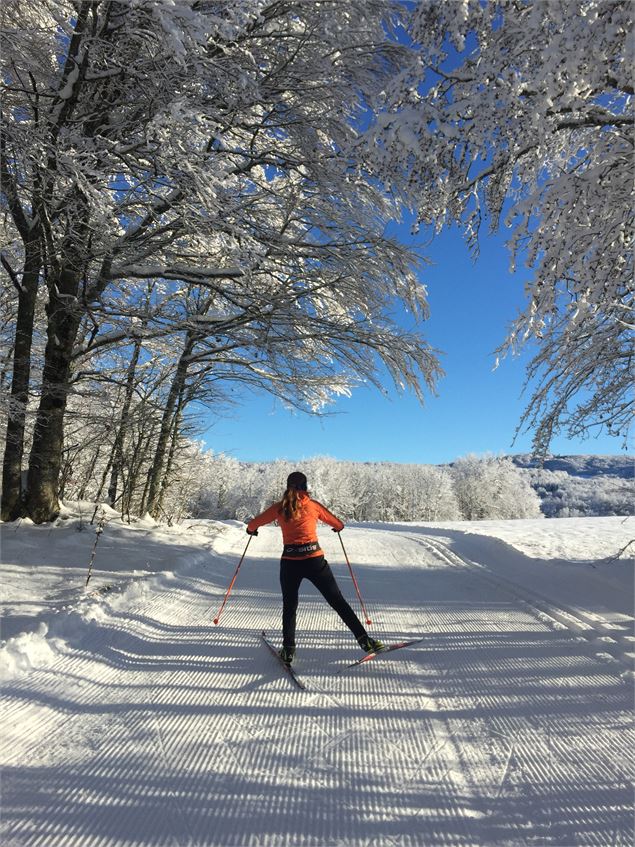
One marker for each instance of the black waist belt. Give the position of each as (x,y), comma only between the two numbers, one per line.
(300,551)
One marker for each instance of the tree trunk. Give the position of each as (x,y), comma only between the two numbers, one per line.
(117,452)
(104,476)
(176,426)
(12,505)
(64,313)
(89,475)
(66,473)
(167,422)
(48,436)
(7,365)
(143,450)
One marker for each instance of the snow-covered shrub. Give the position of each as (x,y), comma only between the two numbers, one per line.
(491,487)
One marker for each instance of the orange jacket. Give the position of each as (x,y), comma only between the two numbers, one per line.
(299,532)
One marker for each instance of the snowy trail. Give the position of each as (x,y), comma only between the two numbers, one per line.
(501,728)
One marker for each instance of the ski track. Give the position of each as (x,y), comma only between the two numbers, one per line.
(501,728)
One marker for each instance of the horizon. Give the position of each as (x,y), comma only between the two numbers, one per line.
(549,457)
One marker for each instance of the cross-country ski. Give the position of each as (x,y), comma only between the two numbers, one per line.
(290,672)
(387,649)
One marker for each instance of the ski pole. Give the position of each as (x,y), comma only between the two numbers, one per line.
(98,532)
(231,584)
(368,620)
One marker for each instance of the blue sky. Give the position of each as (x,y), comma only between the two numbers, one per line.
(477,408)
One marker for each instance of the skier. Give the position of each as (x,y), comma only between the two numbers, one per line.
(297,515)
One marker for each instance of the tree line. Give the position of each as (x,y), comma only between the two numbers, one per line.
(203,484)
(472,488)
(215,486)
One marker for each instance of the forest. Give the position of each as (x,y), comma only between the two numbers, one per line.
(472,488)
(212,485)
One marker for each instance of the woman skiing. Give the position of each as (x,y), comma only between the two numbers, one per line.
(297,514)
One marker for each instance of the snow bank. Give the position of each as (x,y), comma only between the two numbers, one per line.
(47,609)
(589,539)
(28,651)
(571,539)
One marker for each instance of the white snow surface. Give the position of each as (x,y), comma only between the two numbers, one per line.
(130,719)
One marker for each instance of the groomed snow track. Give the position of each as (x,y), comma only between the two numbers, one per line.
(158,728)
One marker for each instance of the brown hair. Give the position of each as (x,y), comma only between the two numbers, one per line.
(290,504)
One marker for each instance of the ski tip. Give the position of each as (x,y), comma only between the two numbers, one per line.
(216,621)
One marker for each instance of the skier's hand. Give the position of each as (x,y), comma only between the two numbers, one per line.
(337,530)
(252,532)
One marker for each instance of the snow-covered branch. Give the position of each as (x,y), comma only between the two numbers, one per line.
(526,118)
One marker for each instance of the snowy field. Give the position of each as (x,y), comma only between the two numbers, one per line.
(130,719)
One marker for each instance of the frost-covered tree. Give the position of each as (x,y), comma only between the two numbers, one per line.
(519,114)
(492,487)
(437,500)
(200,145)
(353,490)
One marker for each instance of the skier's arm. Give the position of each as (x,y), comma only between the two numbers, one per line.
(327,517)
(268,516)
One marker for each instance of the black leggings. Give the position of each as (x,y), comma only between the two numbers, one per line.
(316,570)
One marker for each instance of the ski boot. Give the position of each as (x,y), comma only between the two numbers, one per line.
(286,655)
(370,645)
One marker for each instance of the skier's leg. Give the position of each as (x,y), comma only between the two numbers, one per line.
(322,577)
(290,579)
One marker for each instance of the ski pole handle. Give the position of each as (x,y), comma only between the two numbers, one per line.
(368,620)
(231,584)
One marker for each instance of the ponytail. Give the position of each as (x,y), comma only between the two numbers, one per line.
(290,504)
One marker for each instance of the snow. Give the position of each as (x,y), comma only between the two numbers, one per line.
(66,92)
(130,719)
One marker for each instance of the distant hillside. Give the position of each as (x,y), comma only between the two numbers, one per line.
(586,466)
(572,486)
